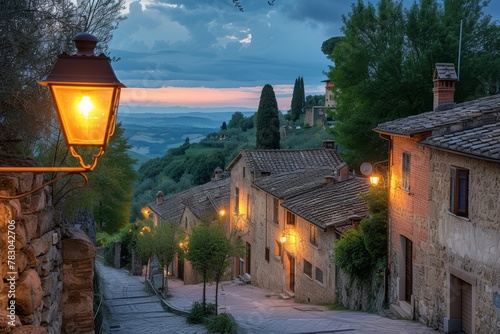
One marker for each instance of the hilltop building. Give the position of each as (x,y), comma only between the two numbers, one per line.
(444,230)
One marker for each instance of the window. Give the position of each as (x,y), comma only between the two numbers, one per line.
(275,211)
(459,191)
(405,184)
(313,235)
(290,218)
(277,249)
(244,172)
(319,275)
(266,254)
(237,200)
(308,268)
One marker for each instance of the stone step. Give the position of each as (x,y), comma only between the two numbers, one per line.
(402,310)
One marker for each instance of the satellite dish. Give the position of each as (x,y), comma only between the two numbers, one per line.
(366,168)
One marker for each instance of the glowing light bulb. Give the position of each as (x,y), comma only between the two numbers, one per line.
(85,106)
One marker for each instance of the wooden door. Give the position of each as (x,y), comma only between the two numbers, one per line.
(409,270)
(248,258)
(180,268)
(466,308)
(291,273)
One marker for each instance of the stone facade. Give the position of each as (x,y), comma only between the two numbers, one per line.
(285,252)
(38,262)
(444,232)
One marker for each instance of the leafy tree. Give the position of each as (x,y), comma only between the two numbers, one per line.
(267,120)
(209,251)
(227,248)
(166,240)
(200,253)
(298,99)
(32,33)
(352,256)
(384,64)
(223,126)
(236,119)
(110,187)
(314,100)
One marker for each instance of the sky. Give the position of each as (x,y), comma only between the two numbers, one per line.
(207,54)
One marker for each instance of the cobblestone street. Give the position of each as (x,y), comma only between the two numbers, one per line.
(133,310)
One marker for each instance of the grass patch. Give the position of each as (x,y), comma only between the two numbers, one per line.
(336,306)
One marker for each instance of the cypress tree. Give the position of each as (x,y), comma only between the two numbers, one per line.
(298,99)
(268,125)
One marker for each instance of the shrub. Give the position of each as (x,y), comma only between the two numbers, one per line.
(197,314)
(375,235)
(221,323)
(352,256)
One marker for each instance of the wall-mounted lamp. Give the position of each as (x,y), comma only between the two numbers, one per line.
(283,238)
(374,180)
(222,212)
(86,94)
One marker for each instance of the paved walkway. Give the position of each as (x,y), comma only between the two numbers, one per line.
(256,311)
(133,310)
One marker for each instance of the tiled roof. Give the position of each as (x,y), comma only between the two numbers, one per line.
(445,71)
(173,205)
(281,161)
(292,183)
(482,142)
(332,205)
(208,200)
(461,116)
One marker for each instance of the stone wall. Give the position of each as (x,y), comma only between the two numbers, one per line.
(33,279)
(355,295)
(38,258)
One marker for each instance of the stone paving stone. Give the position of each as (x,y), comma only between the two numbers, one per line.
(257,311)
(133,310)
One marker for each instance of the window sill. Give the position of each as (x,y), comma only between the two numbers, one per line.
(406,191)
(467,219)
(314,246)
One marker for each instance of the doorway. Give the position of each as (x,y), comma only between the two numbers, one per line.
(290,272)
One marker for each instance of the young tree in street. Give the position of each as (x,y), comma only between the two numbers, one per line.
(166,245)
(226,249)
(384,65)
(200,252)
(267,120)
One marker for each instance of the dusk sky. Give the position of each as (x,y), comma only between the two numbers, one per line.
(207,54)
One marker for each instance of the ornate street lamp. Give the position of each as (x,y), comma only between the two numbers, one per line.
(86,94)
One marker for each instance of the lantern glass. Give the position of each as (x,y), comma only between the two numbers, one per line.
(85,112)
(374,180)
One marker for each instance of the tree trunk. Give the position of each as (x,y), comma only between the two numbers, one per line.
(204,299)
(216,296)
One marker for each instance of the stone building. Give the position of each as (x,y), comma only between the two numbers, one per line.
(187,209)
(288,206)
(444,231)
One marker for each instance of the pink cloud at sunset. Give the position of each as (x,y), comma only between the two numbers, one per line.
(204,97)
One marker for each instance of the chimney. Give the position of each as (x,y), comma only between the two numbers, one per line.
(159,198)
(217,174)
(330,144)
(444,78)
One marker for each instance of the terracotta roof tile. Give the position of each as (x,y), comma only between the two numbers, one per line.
(288,184)
(482,142)
(462,116)
(332,205)
(280,161)
(196,198)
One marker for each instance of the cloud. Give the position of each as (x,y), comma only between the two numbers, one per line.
(209,43)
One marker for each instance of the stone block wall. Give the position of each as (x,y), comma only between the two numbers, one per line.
(31,234)
(37,259)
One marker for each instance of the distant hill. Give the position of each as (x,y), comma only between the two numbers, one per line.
(152,134)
